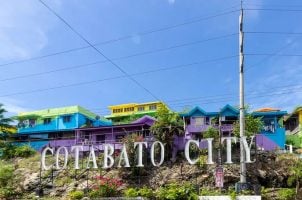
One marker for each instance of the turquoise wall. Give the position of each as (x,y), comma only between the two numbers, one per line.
(77,120)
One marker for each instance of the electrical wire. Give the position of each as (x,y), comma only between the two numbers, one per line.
(98,51)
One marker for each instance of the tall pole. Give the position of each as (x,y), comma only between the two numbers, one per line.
(241,98)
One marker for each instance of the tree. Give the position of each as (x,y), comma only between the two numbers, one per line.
(252,126)
(167,125)
(5,126)
(296,175)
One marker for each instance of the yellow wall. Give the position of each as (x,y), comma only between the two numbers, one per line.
(132,108)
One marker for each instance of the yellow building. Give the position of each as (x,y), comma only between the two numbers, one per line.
(123,113)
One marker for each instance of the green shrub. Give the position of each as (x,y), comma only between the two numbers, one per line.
(74,195)
(146,192)
(11,151)
(174,192)
(131,192)
(136,192)
(7,179)
(286,194)
(24,151)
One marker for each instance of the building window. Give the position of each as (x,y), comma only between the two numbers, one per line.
(141,108)
(152,107)
(130,109)
(46,121)
(66,118)
(199,121)
(117,110)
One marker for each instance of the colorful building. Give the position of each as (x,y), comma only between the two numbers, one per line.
(125,113)
(293,126)
(112,134)
(197,121)
(272,136)
(39,127)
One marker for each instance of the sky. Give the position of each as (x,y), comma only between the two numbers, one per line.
(184,53)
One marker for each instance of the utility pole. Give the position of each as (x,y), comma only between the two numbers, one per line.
(241,98)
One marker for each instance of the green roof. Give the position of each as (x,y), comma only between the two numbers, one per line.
(51,112)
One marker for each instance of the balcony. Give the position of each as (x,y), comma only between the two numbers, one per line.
(203,128)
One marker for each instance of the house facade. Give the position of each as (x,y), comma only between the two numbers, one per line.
(125,113)
(39,127)
(271,137)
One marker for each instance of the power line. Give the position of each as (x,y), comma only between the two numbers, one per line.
(143,33)
(98,51)
(272,54)
(120,58)
(273,9)
(121,76)
(273,32)
(226,97)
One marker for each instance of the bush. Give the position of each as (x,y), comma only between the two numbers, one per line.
(286,194)
(6,181)
(135,192)
(11,151)
(24,151)
(180,192)
(74,195)
(107,187)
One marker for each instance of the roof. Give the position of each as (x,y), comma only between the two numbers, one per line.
(145,119)
(198,112)
(229,110)
(50,112)
(267,110)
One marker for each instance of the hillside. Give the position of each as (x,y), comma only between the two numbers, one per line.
(270,171)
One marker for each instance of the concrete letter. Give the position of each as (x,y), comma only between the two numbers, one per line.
(187,151)
(76,155)
(43,158)
(108,152)
(124,156)
(65,158)
(162,153)
(92,158)
(140,152)
(247,149)
(229,147)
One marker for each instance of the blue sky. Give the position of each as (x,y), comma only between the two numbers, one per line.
(29,30)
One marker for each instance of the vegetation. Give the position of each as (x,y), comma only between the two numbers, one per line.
(106,187)
(7,181)
(296,175)
(177,192)
(168,125)
(5,127)
(286,194)
(12,151)
(142,192)
(75,195)
(252,126)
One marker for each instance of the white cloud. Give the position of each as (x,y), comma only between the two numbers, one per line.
(24,26)
(13,106)
(171,2)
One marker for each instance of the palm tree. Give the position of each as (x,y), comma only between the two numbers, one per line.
(4,122)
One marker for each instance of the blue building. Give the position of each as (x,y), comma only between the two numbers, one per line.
(39,127)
